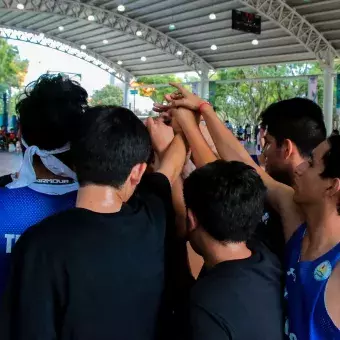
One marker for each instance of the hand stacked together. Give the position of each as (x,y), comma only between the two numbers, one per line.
(182,108)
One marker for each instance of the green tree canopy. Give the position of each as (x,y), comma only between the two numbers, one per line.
(158,95)
(242,102)
(108,95)
(12,69)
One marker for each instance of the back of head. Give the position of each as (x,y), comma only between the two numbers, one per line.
(227,199)
(298,119)
(49,109)
(110,142)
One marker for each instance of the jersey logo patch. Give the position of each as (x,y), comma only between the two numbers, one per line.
(291,272)
(323,271)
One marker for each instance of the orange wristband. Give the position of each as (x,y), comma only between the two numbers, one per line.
(202,104)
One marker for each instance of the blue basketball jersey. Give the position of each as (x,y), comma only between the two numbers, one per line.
(19,209)
(306,281)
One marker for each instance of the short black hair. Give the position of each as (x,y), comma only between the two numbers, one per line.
(110,141)
(227,199)
(331,160)
(298,119)
(48,109)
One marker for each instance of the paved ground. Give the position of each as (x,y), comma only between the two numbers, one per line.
(9,162)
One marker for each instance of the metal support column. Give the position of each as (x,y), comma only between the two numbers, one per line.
(126,94)
(328,97)
(204,85)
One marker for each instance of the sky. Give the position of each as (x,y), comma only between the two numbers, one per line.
(42,59)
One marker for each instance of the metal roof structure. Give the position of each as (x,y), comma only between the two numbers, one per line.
(140,41)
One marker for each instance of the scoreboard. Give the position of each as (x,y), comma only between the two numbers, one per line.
(246,22)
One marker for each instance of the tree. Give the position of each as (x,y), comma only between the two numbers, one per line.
(12,69)
(108,95)
(158,94)
(242,102)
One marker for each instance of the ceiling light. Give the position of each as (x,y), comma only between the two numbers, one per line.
(143,59)
(212,16)
(172,27)
(105,41)
(139,33)
(121,8)
(61,28)
(199,72)
(179,52)
(119,62)
(90,18)
(83,47)
(213,47)
(255,42)
(20,6)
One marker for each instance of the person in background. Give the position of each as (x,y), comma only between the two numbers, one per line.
(97,271)
(240,133)
(49,110)
(228,125)
(248,133)
(310,215)
(3,138)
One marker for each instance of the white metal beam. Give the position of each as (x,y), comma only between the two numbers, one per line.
(118,22)
(69,48)
(297,26)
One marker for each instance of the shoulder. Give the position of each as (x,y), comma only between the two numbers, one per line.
(51,230)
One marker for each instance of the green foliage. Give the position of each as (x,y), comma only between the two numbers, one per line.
(158,95)
(12,68)
(108,95)
(243,102)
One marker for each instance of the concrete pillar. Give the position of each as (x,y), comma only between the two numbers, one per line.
(204,86)
(328,97)
(126,94)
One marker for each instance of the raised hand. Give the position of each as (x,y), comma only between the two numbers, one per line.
(181,98)
(161,134)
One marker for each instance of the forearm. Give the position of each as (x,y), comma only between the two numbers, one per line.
(200,150)
(228,147)
(173,158)
(179,207)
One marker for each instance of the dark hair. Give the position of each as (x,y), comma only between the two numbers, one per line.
(331,160)
(49,109)
(227,199)
(110,142)
(298,119)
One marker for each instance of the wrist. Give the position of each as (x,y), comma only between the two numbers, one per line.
(202,106)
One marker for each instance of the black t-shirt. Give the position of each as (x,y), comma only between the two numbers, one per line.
(239,300)
(270,232)
(91,276)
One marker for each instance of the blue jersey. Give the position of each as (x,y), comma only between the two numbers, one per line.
(20,209)
(306,282)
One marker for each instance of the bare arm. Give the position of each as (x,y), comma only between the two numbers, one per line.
(280,196)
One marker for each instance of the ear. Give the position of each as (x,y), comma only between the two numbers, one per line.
(334,187)
(137,173)
(289,148)
(193,223)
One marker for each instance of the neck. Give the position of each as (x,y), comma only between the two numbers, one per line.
(323,230)
(100,199)
(220,252)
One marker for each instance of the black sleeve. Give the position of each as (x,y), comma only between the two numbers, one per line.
(204,326)
(4,180)
(28,311)
(157,184)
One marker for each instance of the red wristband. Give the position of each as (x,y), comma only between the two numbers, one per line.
(202,104)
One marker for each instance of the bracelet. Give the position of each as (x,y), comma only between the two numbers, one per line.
(202,104)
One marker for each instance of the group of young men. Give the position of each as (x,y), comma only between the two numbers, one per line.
(94,227)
